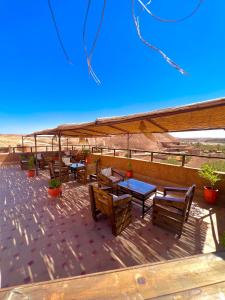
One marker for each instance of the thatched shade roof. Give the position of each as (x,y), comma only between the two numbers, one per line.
(199,116)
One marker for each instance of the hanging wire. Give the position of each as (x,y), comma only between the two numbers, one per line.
(89,55)
(58,33)
(144,6)
(167,59)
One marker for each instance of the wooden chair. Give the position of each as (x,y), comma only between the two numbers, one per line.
(54,170)
(24,161)
(89,172)
(117,208)
(172,212)
(109,177)
(78,156)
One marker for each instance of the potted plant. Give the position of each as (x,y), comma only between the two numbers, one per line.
(31,167)
(129,172)
(54,189)
(209,173)
(86,153)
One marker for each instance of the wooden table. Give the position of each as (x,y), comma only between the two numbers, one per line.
(75,167)
(197,277)
(140,190)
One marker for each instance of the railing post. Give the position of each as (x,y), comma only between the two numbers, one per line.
(31,150)
(183,160)
(46,148)
(101,150)
(130,153)
(152,156)
(114,152)
(13,149)
(72,147)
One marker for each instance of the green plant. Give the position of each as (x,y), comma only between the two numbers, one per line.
(54,183)
(31,163)
(129,166)
(86,152)
(208,172)
(223,240)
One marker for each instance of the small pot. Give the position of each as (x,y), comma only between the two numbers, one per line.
(31,173)
(55,192)
(210,195)
(88,160)
(129,173)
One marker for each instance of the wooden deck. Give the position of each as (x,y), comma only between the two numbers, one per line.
(198,277)
(43,239)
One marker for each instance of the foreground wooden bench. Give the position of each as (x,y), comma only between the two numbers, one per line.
(196,277)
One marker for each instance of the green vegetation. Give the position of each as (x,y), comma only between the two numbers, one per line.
(209,147)
(172,161)
(129,166)
(223,240)
(31,163)
(218,165)
(86,152)
(54,183)
(208,172)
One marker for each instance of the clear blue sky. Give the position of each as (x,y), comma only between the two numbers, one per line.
(39,89)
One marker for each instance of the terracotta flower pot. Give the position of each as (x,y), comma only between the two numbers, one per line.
(129,173)
(88,160)
(210,195)
(31,173)
(55,192)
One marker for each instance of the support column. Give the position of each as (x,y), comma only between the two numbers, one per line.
(35,146)
(22,144)
(128,145)
(60,156)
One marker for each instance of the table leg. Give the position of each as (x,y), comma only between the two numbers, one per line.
(143,209)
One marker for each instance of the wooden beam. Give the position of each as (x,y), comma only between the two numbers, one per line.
(117,128)
(35,147)
(153,122)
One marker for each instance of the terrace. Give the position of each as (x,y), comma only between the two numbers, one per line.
(44,239)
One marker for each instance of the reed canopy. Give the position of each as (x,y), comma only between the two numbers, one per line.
(198,116)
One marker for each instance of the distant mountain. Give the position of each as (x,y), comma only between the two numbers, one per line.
(147,141)
(203,140)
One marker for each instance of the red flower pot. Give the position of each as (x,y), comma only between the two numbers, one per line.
(31,173)
(88,160)
(210,195)
(55,192)
(129,173)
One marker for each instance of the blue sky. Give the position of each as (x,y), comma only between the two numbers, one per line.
(39,89)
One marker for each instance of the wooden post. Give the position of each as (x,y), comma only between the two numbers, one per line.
(152,156)
(60,156)
(35,144)
(52,143)
(128,145)
(22,144)
(67,144)
(183,160)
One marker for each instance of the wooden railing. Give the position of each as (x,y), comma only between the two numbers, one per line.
(180,158)
(153,154)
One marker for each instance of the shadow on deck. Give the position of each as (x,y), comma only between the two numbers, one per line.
(44,239)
